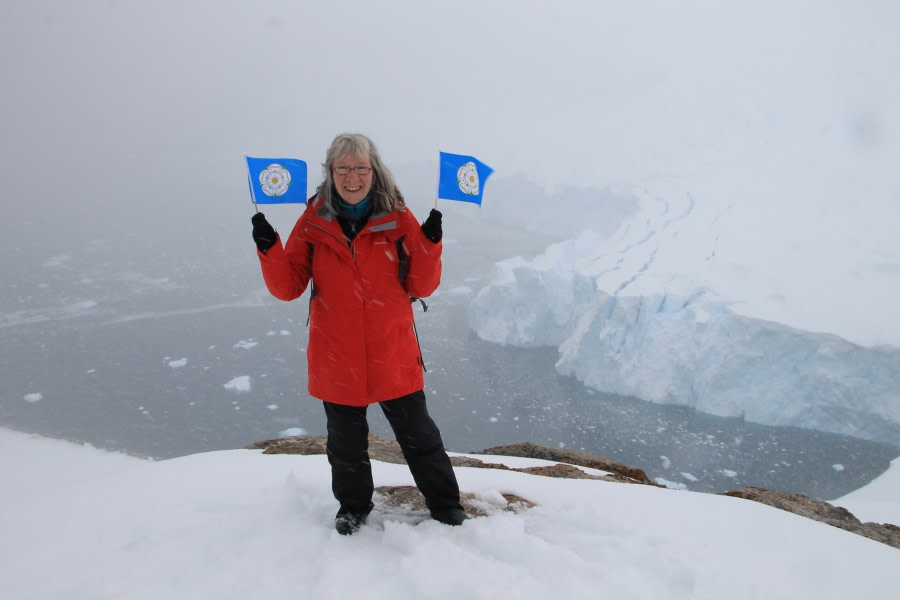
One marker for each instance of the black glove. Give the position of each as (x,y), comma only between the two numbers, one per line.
(432,226)
(263,233)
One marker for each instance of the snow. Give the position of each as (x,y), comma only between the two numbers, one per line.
(876,501)
(240,524)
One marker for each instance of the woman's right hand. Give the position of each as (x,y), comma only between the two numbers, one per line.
(263,233)
(432,226)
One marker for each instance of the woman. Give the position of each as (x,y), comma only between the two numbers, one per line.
(366,255)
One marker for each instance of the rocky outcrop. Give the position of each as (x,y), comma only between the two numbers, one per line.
(618,471)
(567,463)
(819,510)
(410,500)
(380,448)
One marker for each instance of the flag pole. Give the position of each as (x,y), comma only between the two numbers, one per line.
(250,181)
(437,193)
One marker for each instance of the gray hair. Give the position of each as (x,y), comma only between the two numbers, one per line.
(385,195)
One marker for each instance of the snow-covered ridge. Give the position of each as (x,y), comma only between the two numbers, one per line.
(683,304)
(241,524)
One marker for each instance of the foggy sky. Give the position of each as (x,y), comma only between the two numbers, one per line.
(127,121)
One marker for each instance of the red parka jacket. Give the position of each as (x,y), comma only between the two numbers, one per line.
(362,347)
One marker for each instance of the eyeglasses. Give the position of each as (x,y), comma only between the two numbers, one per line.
(358,170)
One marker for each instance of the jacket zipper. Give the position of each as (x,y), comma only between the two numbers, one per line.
(350,246)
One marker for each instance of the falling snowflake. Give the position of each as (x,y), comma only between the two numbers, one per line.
(275,180)
(467,177)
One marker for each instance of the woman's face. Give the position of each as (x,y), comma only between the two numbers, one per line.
(351,186)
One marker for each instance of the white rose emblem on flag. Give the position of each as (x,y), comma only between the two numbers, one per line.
(467,177)
(274,180)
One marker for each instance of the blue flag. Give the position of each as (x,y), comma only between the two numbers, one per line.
(277,180)
(462,178)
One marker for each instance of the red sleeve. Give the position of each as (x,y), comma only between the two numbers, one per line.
(424,274)
(287,270)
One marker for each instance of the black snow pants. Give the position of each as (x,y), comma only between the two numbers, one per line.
(419,438)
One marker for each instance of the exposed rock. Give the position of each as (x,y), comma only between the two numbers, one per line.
(468,461)
(560,470)
(300,444)
(408,498)
(387,450)
(821,511)
(620,472)
(380,448)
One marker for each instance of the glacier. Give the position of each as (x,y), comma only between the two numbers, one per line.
(678,305)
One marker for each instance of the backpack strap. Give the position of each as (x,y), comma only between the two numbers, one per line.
(403,260)
(312,283)
(403,271)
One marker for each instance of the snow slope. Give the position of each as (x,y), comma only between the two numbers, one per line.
(82,524)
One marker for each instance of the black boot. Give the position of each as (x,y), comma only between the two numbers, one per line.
(348,523)
(449,516)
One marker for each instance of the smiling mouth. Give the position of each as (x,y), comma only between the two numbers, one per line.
(352,188)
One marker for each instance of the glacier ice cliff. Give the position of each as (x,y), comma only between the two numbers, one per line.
(677,340)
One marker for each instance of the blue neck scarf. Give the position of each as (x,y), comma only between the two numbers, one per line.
(355,212)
